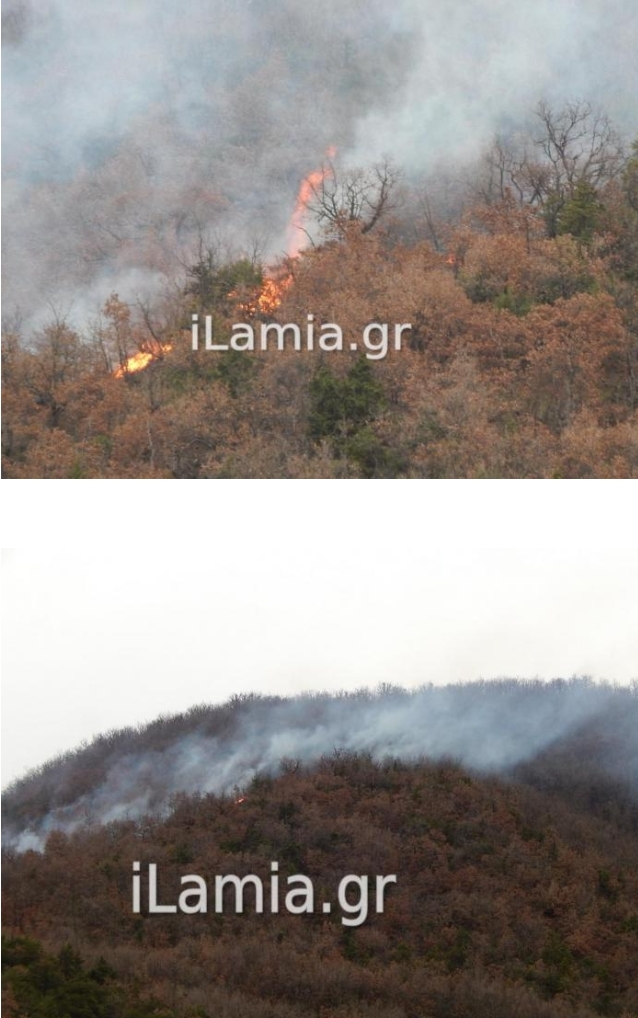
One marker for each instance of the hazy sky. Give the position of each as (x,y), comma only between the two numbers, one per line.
(100,639)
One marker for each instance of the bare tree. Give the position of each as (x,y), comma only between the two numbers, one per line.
(352,196)
(630,178)
(572,147)
(580,145)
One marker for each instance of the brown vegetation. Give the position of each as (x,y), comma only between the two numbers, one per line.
(507,902)
(514,896)
(522,360)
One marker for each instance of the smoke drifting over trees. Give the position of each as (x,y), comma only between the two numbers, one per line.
(495,727)
(132,131)
(516,883)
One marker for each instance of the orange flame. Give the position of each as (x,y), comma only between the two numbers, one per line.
(242,798)
(269,297)
(309,186)
(272,294)
(272,290)
(141,360)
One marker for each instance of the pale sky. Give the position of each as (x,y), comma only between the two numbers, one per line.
(96,639)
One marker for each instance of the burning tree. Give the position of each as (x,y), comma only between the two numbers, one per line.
(338,199)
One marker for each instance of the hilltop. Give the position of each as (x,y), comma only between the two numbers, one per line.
(507,727)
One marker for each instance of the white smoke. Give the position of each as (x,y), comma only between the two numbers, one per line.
(131,130)
(489,727)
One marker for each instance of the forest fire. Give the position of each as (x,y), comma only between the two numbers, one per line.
(274,286)
(267,299)
(308,188)
(272,293)
(140,360)
(242,798)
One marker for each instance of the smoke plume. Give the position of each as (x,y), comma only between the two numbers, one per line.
(491,727)
(132,131)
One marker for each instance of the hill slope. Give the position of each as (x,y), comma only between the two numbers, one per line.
(493,727)
(505,903)
(517,871)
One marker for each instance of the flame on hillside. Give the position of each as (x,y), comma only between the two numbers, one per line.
(267,299)
(272,291)
(274,287)
(308,188)
(140,360)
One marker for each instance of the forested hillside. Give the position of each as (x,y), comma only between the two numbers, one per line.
(517,870)
(578,729)
(507,902)
(518,274)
